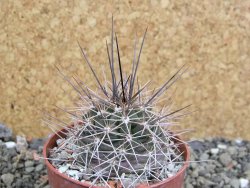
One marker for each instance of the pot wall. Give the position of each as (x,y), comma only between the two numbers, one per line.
(59,180)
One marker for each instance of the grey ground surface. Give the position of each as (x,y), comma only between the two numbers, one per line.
(217,162)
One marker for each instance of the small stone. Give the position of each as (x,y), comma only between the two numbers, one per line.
(26,176)
(36,143)
(232,150)
(208,183)
(63,169)
(170,174)
(7,179)
(193,165)
(29,169)
(247,173)
(235,163)
(21,143)
(242,152)
(19,182)
(225,178)
(210,167)
(29,163)
(222,146)
(197,145)
(20,165)
(188,185)
(40,149)
(5,133)
(200,180)
(244,183)
(202,172)
(10,144)
(246,166)
(239,141)
(195,173)
(12,152)
(225,159)
(39,167)
(64,155)
(235,183)
(204,157)
(17,175)
(29,155)
(214,151)
(73,173)
(60,141)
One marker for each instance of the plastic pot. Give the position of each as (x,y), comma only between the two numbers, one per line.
(59,180)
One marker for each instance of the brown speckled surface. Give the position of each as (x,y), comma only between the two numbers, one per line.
(213,37)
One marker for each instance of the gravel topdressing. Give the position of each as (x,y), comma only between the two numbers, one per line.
(224,164)
(19,169)
(229,166)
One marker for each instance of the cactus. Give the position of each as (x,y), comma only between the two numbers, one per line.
(118,132)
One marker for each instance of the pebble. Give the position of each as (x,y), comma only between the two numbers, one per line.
(7,179)
(39,167)
(235,183)
(195,173)
(63,168)
(247,173)
(64,155)
(225,158)
(197,145)
(5,133)
(222,146)
(232,150)
(29,169)
(188,185)
(72,172)
(19,182)
(244,183)
(36,143)
(10,144)
(170,174)
(29,163)
(214,151)
(193,165)
(226,179)
(204,157)
(60,141)
(29,155)
(21,143)
(238,141)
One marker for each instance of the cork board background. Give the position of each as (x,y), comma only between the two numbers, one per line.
(213,37)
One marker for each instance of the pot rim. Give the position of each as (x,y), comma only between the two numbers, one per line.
(52,168)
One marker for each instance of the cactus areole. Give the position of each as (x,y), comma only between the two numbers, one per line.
(118,137)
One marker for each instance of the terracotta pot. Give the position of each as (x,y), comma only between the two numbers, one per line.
(59,180)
